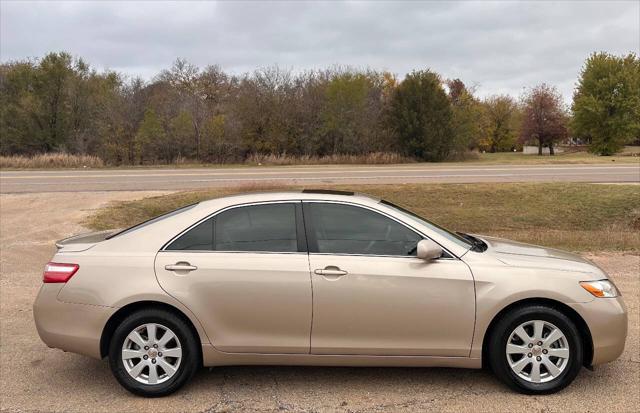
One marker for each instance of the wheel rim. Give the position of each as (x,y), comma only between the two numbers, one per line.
(537,351)
(151,353)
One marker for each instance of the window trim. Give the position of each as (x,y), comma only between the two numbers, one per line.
(303,228)
(312,242)
(297,216)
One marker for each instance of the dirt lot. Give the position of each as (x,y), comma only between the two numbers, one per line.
(35,378)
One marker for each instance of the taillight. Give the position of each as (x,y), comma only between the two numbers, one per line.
(55,272)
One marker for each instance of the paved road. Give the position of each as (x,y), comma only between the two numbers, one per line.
(173,179)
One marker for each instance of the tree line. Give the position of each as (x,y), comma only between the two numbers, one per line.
(61,104)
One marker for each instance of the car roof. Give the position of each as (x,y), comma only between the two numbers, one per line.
(301,195)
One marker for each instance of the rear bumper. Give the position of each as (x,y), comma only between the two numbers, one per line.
(76,328)
(607,321)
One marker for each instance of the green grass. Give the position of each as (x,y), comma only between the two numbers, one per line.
(561,158)
(577,217)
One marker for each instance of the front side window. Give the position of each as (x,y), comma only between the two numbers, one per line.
(347,229)
(257,228)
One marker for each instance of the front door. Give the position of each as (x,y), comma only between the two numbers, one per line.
(372,296)
(245,275)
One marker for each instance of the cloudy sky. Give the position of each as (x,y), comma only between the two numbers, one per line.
(500,46)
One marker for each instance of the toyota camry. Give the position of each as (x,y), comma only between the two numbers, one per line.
(323,278)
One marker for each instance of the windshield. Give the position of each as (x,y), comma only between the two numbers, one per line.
(151,221)
(452,236)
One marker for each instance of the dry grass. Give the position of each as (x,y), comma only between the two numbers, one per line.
(51,160)
(371,158)
(578,217)
(629,155)
(62,160)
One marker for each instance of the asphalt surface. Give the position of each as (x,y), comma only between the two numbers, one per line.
(36,378)
(181,179)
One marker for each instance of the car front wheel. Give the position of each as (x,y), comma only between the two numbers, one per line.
(153,353)
(536,350)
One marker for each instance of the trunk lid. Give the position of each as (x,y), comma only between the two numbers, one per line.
(82,242)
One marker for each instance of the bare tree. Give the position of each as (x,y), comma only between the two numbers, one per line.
(184,78)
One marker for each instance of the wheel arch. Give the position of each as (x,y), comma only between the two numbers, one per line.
(583,328)
(117,317)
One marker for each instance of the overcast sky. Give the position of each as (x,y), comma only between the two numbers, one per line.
(500,46)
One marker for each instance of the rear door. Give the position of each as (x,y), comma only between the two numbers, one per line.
(373,296)
(245,274)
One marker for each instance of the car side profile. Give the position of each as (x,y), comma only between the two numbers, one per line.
(323,278)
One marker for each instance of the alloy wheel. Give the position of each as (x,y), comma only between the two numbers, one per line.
(537,351)
(151,353)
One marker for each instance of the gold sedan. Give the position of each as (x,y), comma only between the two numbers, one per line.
(323,278)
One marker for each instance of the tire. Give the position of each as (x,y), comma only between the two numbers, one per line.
(156,374)
(563,350)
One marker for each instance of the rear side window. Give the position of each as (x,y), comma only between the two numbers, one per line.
(346,229)
(268,227)
(254,228)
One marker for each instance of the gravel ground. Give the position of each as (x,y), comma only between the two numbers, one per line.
(36,378)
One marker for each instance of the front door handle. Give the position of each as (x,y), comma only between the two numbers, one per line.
(331,271)
(180,266)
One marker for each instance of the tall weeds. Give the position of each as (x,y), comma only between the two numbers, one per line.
(51,160)
(65,160)
(370,158)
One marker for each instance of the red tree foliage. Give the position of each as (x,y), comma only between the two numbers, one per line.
(544,117)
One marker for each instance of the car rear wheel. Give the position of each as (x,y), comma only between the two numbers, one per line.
(535,350)
(153,353)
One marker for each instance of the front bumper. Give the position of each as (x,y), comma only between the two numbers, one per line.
(76,328)
(607,321)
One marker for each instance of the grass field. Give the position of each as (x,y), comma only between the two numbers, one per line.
(630,155)
(578,217)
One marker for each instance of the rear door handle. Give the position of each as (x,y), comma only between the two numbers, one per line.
(180,266)
(330,271)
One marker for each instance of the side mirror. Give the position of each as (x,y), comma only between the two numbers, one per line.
(428,250)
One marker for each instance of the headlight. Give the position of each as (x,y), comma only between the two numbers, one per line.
(601,288)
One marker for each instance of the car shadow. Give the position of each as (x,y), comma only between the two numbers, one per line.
(295,388)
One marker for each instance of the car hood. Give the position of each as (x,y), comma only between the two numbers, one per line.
(534,256)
